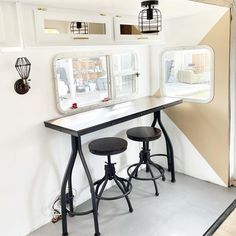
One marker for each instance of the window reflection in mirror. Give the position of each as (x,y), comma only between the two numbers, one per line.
(129,30)
(125,74)
(188,73)
(74,27)
(125,85)
(81,81)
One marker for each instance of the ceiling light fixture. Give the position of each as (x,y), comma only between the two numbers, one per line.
(150,18)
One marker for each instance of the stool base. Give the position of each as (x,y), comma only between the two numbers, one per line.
(110,174)
(145,159)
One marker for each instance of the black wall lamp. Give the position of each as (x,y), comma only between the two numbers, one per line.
(150,18)
(23,68)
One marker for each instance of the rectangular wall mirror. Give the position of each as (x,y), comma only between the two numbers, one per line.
(188,73)
(126,29)
(54,27)
(81,81)
(95,79)
(73,27)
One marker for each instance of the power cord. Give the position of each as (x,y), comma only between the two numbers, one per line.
(56,212)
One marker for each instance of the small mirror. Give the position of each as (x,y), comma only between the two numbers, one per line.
(81,81)
(73,27)
(188,73)
(129,30)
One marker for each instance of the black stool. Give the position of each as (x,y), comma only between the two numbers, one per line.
(108,147)
(145,135)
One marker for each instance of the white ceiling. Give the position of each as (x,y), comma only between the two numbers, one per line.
(169,8)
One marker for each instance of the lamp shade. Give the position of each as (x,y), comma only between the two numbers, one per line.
(23,67)
(150,18)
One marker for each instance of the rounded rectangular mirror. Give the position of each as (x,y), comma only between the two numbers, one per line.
(81,81)
(188,73)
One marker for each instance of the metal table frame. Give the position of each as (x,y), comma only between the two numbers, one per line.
(77,149)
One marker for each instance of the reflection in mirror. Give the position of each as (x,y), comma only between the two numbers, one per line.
(129,30)
(188,73)
(125,85)
(78,27)
(55,27)
(125,62)
(74,27)
(81,81)
(125,74)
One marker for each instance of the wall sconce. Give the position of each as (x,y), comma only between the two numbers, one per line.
(23,68)
(150,19)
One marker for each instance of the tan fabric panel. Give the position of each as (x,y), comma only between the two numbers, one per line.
(207,125)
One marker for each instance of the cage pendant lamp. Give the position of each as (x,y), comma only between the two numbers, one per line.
(78,27)
(150,18)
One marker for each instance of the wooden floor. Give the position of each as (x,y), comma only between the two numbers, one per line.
(228,228)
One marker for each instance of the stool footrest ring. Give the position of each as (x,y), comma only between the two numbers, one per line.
(127,190)
(135,175)
(158,155)
(79,213)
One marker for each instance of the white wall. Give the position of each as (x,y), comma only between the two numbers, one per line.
(33,158)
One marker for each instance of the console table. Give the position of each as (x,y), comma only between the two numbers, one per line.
(97,119)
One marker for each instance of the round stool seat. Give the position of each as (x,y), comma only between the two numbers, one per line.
(144,133)
(108,146)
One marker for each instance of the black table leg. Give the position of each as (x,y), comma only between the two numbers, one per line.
(169,147)
(91,185)
(67,179)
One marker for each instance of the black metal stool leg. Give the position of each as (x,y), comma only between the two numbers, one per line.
(123,191)
(98,184)
(93,196)
(121,181)
(154,181)
(135,171)
(101,191)
(160,168)
(67,179)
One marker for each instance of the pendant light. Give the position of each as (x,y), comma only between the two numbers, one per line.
(150,19)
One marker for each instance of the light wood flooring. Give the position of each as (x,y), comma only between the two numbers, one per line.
(228,228)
